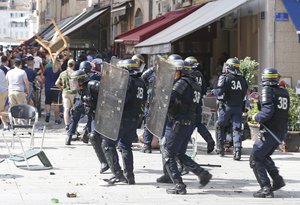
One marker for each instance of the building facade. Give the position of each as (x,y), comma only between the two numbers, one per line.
(249,29)
(18,24)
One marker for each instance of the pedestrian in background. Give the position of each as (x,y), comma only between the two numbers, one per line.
(52,93)
(3,98)
(18,84)
(68,95)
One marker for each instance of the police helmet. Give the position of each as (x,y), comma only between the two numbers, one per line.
(85,66)
(270,76)
(77,78)
(139,58)
(192,61)
(232,65)
(174,57)
(182,66)
(130,65)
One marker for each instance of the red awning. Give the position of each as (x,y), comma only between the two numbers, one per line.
(150,28)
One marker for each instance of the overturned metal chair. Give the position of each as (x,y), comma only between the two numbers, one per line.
(23,119)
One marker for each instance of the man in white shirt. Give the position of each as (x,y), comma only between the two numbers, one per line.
(18,84)
(3,98)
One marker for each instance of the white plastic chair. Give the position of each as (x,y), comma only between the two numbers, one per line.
(23,119)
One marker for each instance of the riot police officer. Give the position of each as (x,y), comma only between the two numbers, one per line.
(78,109)
(232,86)
(88,90)
(140,61)
(203,131)
(148,77)
(273,118)
(132,114)
(182,114)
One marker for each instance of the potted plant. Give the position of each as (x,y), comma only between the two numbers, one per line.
(249,69)
(292,140)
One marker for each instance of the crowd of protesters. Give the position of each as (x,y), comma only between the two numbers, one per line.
(25,67)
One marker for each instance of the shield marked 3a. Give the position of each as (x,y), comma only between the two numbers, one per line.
(111,99)
(160,99)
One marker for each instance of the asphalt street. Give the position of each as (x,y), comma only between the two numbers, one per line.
(75,177)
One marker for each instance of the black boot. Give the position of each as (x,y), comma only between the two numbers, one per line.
(237,154)
(130,178)
(85,137)
(146,149)
(220,150)
(204,178)
(164,179)
(278,183)
(265,192)
(103,167)
(96,142)
(68,140)
(210,146)
(180,188)
(117,178)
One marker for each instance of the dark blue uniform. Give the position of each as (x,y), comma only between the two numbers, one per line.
(148,77)
(133,111)
(78,111)
(275,104)
(233,88)
(203,131)
(185,106)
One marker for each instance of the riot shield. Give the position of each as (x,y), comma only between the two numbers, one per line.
(160,99)
(111,99)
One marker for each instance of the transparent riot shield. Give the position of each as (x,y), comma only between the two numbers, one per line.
(111,99)
(160,99)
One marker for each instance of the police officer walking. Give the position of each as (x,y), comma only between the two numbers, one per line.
(273,118)
(78,109)
(233,87)
(148,77)
(88,90)
(132,113)
(201,128)
(181,120)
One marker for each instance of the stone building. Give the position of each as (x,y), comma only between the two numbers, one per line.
(264,30)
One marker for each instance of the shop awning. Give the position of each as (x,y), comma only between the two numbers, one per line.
(82,21)
(120,10)
(293,8)
(204,16)
(48,34)
(150,28)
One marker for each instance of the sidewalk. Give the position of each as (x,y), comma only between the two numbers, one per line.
(76,169)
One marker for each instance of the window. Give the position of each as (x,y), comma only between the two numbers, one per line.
(138,18)
(21,14)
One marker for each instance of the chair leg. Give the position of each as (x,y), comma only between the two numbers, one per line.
(44,159)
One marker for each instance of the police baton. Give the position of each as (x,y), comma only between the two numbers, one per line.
(210,165)
(272,134)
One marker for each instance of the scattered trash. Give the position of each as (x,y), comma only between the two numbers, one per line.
(238,191)
(52,173)
(80,184)
(72,194)
(54,201)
